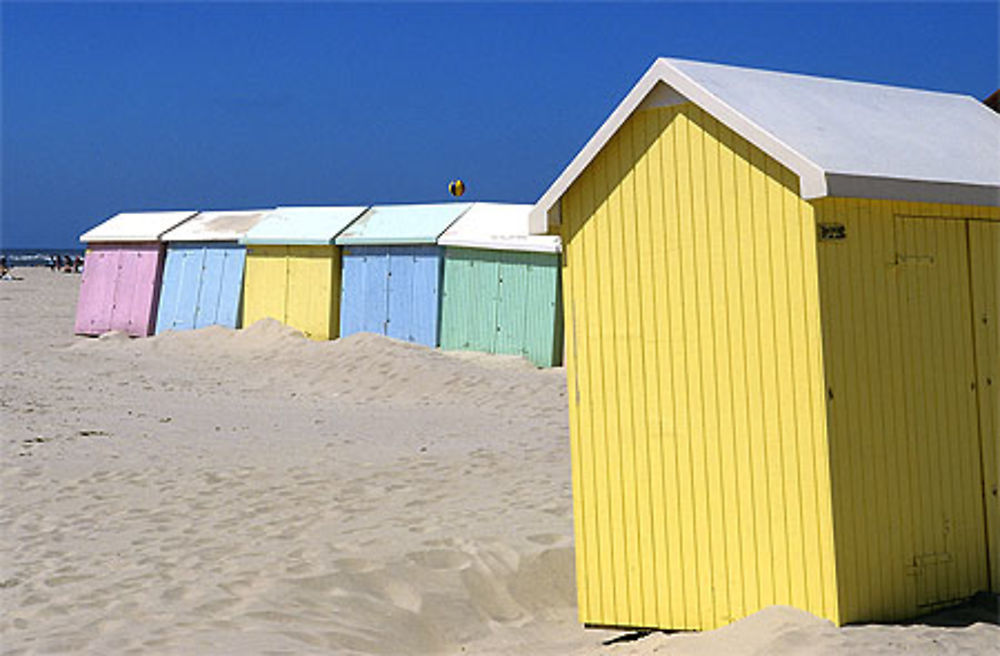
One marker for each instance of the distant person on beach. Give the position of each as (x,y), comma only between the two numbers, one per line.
(77,264)
(6,273)
(59,265)
(52,262)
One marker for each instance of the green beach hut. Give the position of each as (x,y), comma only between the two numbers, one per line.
(501,290)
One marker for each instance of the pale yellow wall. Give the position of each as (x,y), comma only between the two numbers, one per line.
(265,289)
(984,241)
(697,410)
(314,290)
(909,416)
(297,285)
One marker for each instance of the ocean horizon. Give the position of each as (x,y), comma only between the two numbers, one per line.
(40,256)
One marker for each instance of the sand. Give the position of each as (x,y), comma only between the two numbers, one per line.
(253,492)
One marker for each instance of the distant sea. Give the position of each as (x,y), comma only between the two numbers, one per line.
(29,257)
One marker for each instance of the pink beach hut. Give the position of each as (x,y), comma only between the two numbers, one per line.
(120,286)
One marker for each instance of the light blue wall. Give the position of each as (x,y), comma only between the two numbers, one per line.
(392,291)
(202,286)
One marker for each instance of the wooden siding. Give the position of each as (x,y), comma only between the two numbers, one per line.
(505,302)
(984,249)
(119,289)
(905,431)
(392,291)
(202,286)
(297,285)
(698,429)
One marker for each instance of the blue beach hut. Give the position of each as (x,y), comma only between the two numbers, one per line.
(203,271)
(392,268)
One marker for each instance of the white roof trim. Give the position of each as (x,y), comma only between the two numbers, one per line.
(498,226)
(136,227)
(823,148)
(521,243)
(811,176)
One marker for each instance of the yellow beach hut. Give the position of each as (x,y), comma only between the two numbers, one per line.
(293,268)
(782,302)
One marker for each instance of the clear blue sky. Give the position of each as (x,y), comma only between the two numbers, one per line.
(145,106)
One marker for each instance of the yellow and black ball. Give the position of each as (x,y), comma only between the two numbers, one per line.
(456,188)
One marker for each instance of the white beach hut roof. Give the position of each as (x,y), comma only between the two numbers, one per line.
(303,225)
(842,138)
(135,226)
(498,226)
(217,226)
(402,224)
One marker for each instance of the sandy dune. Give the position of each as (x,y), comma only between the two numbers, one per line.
(238,492)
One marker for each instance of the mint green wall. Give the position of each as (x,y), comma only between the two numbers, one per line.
(505,302)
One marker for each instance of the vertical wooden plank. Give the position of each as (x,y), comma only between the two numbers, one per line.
(455,336)
(122,295)
(360,268)
(726,569)
(97,287)
(605,464)
(427,294)
(534,309)
(643,361)
(221,289)
(149,269)
(767,465)
(579,391)
(610,285)
(687,378)
(544,310)
(231,296)
(336,289)
(169,290)
(401,272)
(310,290)
(512,319)
(781,222)
(738,494)
(351,290)
(210,290)
(658,397)
(265,291)
(701,355)
(414,278)
(373,290)
(181,286)
(984,249)
(621,250)
(744,300)
(468,299)
(670,321)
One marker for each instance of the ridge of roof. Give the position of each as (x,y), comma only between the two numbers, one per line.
(821,129)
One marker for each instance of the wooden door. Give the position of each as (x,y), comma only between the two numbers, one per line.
(984,261)
(938,374)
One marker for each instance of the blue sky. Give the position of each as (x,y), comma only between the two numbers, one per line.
(112,107)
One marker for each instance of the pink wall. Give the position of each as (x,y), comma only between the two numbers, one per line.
(120,289)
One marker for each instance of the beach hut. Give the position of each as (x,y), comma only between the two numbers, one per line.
(203,271)
(121,275)
(293,268)
(392,271)
(501,285)
(782,315)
